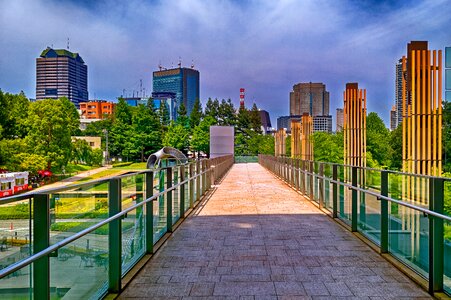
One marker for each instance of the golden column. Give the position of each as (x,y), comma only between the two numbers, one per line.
(306,137)
(354,125)
(279,139)
(422,110)
(295,138)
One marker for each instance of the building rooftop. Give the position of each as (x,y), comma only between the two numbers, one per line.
(50,52)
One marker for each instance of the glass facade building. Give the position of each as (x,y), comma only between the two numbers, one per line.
(183,82)
(168,99)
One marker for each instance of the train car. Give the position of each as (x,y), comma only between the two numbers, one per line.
(7,182)
(21,181)
(12,183)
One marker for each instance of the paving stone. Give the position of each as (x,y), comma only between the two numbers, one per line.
(256,238)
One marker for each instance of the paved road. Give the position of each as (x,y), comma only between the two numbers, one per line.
(258,239)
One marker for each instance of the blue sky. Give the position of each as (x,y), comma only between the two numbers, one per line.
(263,46)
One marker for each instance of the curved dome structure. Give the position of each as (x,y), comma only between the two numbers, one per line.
(166,152)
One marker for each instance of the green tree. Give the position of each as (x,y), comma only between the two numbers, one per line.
(80,151)
(9,148)
(164,113)
(182,118)
(200,141)
(49,133)
(212,108)
(396,148)
(177,137)
(227,113)
(255,122)
(147,130)
(446,135)
(27,162)
(122,112)
(378,140)
(13,114)
(328,147)
(196,114)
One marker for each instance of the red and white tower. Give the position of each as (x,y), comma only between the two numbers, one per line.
(241,98)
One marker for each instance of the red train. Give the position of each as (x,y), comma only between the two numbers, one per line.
(12,183)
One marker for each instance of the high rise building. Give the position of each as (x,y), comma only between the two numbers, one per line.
(61,73)
(310,98)
(284,122)
(398,92)
(184,82)
(339,120)
(167,99)
(322,123)
(393,118)
(266,121)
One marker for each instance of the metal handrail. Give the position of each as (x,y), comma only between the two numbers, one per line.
(379,196)
(27,261)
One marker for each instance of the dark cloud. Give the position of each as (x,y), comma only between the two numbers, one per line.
(264,46)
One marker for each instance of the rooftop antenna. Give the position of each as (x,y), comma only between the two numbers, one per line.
(192,64)
(141,87)
(160,66)
(172,65)
(180,62)
(123,93)
(67,43)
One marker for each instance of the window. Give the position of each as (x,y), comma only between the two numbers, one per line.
(51,92)
(91,144)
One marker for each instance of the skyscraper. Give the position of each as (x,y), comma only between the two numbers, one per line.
(339,119)
(184,82)
(61,73)
(398,93)
(393,118)
(310,98)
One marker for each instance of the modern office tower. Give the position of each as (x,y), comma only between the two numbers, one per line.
(266,121)
(96,109)
(184,82)
(393,118)
(295,138)
(398,92)
(61,73)
(354,125)
(339,120)
(310,98)
(306,137)
(279,142)
(448,74)
(422,110)
(135,101)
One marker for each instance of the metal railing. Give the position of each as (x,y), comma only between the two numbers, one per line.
(406,215)
(117,221)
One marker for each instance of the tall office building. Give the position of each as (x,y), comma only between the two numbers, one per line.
(61,73)
(310,98)
(398,92)
(393,118)
(184,82)
(266,121)
(339,120)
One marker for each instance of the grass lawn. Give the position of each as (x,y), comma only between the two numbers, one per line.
(72,168)
(133,166)
(105,173)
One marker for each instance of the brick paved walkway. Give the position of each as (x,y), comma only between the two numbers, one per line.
(258,239)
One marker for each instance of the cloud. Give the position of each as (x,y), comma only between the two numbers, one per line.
(264,46)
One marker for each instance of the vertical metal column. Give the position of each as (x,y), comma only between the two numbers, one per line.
(149,213)
(436,236)
(191,185)
(114,236)
(182,191)
(312,179)
(354,220)
(41,240)
(169,199)
(385,219)
(198,178)
(204,177)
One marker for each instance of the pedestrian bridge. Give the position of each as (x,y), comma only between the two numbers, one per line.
(279,229)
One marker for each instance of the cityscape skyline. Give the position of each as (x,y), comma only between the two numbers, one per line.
(264,47)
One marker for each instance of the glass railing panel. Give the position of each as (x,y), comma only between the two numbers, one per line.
(133,229)
(159,206)
(187,188)
(408,237)
(447,238)
(369,207)
(74,210)
(175,196)
(18,285)
(15,232)
(345,194)
(80,269)
(328,201)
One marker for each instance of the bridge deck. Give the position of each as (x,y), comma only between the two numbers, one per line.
(256,238)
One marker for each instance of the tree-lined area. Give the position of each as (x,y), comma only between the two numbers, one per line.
(37,135)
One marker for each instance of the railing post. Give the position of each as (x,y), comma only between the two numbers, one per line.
(41,240)
(182,191)
(149,213)
(321,186)
(436,236)
(169,199)
(204,177)
(198,178)
(208,174)
(384,212)
(312,180)
(292,161)
(335,191)
(114,236)
(297,174)
(354,219)
(191,185)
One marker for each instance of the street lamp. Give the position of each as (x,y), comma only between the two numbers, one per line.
(105,131)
